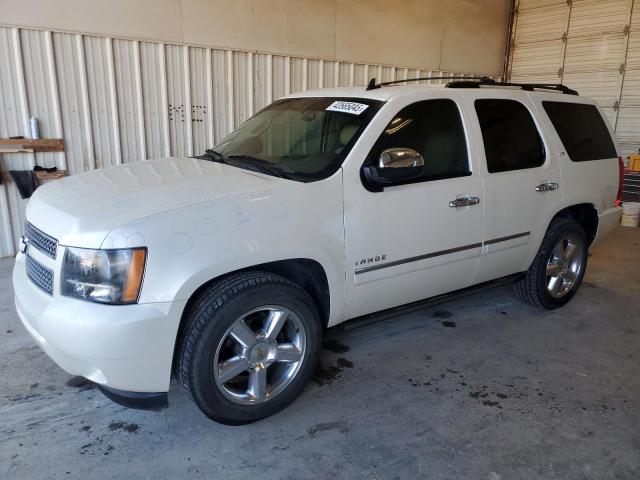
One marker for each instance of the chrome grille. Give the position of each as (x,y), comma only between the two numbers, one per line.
(41,276)
(40,240)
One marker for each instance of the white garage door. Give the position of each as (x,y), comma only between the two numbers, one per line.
(592,46)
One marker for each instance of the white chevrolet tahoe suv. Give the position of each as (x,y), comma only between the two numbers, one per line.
(225,269)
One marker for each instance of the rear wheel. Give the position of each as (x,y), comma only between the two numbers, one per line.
(558,268)
(249,347)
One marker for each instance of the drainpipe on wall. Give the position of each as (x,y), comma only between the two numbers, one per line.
(508,48)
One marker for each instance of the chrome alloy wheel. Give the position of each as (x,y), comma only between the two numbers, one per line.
(259,355)
(564,266)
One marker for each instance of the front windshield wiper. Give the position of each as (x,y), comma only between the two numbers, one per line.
(247,162)
(211,154)
(258,165)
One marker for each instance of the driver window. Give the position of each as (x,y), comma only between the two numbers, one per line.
(434,129)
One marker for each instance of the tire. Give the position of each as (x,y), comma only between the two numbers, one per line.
(215,343)
(536,287)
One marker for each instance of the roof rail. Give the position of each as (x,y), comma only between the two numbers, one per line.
(530,87)
(477,82)
(373,85)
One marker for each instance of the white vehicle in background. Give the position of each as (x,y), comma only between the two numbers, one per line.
(325,206)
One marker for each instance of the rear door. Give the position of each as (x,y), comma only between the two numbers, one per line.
(521,180)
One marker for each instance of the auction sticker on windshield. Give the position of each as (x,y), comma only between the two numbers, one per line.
(353,108)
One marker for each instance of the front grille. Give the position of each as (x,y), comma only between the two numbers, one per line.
(43,242)
(41,276)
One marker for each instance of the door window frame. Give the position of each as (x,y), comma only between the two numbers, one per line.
(536,123)
(466,128)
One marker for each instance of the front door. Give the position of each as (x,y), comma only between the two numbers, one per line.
(421,237)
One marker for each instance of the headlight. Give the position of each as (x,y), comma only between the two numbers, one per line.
(104,276)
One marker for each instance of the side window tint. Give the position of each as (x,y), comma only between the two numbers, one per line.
(511,139)
(434,129)
(582,130)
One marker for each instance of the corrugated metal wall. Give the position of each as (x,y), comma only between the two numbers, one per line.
(590,45)
(116,100)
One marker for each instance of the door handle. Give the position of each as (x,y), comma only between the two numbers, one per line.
(547,187)
(464,202)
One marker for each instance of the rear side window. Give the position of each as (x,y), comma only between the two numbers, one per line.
(511,139)
(434,129)
(582,130)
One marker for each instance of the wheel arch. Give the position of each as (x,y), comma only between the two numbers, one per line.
(308,274)
(584,214)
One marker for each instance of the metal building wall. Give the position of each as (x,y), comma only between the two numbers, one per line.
(590,45)
(116,100)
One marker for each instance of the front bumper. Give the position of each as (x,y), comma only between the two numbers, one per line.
(137,400)
(123,347)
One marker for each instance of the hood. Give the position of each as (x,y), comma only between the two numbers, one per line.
(82,209)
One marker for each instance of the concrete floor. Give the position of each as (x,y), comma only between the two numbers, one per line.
(478,388)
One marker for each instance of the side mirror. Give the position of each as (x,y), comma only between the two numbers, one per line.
(400,158)
(395,165)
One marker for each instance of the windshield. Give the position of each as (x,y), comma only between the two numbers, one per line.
(303,139)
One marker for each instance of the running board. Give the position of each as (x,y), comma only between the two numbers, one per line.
(417,306)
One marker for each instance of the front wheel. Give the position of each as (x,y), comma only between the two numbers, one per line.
(557,270)
(249,347)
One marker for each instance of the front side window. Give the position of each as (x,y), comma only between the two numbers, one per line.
(304,139)
(510,136)
(434,129)
(582,130)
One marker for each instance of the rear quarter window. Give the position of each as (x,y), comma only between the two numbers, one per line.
(582,130)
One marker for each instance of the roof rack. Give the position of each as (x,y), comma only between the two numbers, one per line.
(477,82)
(373,85)
(530,87)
